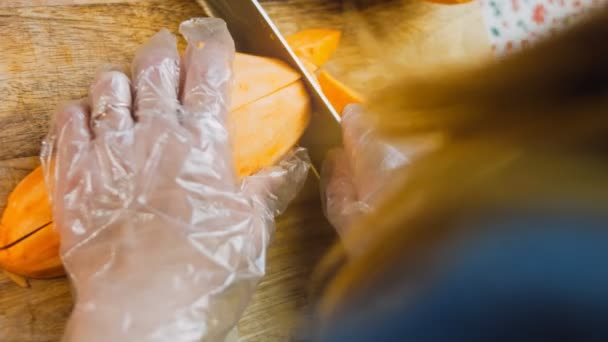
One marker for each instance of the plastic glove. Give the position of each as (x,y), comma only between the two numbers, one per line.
(160,240)
(355,177)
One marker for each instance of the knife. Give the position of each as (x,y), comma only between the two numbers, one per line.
(254,32)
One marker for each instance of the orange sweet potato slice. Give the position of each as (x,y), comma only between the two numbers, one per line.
(338,94)
(315,45)
(29,245)
(264,130)
(256,77)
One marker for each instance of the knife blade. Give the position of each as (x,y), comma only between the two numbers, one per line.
(254,32)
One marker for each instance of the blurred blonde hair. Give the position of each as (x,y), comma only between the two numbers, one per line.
(524,133)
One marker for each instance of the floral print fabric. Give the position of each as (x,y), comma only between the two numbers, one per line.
(515,24)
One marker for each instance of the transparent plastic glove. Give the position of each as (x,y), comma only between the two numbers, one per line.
(355,177)
(159,238)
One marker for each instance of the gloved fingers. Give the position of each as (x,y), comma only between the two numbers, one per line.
(338,192)
(64,152)
(276,186)
(271,190)
(207,73)
(110,99)
(371,160)
(156,72)
(360,147)
(355,129)
(69,138)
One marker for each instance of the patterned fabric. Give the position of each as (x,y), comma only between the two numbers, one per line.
(515,24)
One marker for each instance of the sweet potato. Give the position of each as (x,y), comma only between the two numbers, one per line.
(266,129)
(256,77)
(29,244)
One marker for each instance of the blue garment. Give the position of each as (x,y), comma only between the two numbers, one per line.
(525,279)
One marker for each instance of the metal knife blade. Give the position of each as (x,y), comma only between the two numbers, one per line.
(254,32)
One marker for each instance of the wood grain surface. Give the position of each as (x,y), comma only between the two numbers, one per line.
(49,54)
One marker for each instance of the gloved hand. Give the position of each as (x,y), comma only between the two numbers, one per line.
(159,238)
(355,177)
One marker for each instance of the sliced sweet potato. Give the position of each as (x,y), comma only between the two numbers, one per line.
(28,204)
(35,256)
(337,93)
(263,131)
(29,245)
(256,77)
(315,45)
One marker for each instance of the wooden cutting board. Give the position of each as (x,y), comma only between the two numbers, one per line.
(49,54)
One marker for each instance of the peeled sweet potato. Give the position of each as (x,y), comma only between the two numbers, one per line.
(315,45)
(256,77)
(269,112)
(266,129)
(29,244)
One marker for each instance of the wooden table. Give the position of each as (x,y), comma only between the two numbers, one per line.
(49,53)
